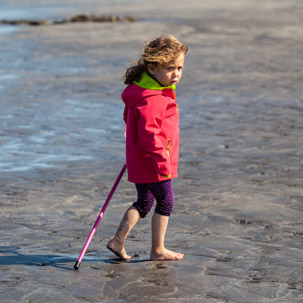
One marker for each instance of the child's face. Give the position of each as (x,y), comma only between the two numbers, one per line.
(169,74)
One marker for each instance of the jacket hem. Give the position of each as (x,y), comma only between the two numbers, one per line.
(153,180)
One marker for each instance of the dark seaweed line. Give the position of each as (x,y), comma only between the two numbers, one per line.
(78,18)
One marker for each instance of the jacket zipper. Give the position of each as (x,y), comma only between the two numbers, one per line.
(168,147)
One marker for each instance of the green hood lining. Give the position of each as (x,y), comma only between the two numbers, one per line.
(149,83)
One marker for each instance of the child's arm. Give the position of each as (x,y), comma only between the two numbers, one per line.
(151,113)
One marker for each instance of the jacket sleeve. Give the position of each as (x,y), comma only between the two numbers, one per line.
(151,111)
(125,113)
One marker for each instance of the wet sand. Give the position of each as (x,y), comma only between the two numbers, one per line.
(239,195)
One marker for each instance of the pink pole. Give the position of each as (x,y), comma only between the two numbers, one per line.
(77,264)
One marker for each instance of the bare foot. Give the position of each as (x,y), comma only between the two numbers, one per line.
(166,255)
(118,250)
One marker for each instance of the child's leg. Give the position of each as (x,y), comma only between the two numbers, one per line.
(163,192)
(158,251)
(139,210)
(129,220)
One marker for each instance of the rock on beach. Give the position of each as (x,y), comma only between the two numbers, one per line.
(74,19)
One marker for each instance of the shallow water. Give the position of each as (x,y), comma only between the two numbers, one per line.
(238,210)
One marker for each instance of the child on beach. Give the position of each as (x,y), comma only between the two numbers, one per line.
(151,115)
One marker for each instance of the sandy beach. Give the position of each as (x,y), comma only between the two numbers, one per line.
(239,195)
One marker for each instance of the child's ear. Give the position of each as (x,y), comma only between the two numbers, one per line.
(151,68)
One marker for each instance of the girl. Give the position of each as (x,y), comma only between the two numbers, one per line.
(152,141)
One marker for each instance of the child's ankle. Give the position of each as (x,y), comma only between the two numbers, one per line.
(158,250)
(117,241)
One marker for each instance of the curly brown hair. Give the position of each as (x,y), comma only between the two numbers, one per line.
(160,51)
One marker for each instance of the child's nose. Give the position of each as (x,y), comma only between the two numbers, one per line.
(177,73)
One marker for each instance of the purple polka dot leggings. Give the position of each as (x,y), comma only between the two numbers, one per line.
(147,193)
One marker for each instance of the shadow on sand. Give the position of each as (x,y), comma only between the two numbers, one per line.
(12,256)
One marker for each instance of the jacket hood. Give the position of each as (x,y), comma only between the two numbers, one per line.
(143,88)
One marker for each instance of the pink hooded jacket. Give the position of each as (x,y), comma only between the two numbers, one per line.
(152,133)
